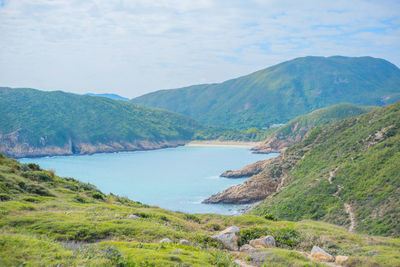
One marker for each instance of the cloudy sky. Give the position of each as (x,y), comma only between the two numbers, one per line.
(133,47)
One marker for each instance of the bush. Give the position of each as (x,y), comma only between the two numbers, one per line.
(38,176)
(285,237)
(81,199)
(98,195)
(39,190)
(271,217)
(4,197)
(192,218)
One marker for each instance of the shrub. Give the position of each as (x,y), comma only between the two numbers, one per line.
(4,197)
(270,216)
(192,218)
(39,190)
(213,226)
(81,199)
(98,195)
(285,237)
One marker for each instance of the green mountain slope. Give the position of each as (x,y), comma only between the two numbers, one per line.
(346,173)
(279,93)
(35,123)
(46,220)
(295,130)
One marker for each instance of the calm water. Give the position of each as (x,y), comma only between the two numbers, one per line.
(174,178)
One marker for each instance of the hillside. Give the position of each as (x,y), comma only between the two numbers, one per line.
(111,96)
(37,123)
(345,173)
(295,130)
(46,220)
(279,93)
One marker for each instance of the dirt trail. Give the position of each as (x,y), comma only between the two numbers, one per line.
(347,207)
(349,210)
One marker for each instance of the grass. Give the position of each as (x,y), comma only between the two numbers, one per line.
(60,229)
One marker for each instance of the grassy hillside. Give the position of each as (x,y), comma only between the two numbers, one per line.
(295,130)
(44,119)
(46,220)
(348,174)
(279,93)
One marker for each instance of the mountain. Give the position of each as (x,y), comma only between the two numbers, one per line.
(48,220)
(37,123)
(279,93)
(295,130)
(346,173)
(111,96)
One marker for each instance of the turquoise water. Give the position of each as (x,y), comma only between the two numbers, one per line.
(174,178)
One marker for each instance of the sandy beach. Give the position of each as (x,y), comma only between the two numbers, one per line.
(222,143)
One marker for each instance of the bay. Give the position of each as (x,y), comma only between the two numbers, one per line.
(174,178)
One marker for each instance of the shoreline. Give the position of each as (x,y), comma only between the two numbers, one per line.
(206,143)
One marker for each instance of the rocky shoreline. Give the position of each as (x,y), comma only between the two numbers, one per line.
(270,175)
(24,150)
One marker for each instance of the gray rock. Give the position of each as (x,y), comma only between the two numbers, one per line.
(166,240)
(185,242)
(133,216)
(263,242)
(321,255)
(228,238)
(247,248)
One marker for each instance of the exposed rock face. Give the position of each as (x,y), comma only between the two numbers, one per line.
(272,145)
(228,238)
(253,189)
(134,217)
(14,145)
(263,242)
(184,242)
(341,259)
(321,255)
(259,186)
(247,171)
(165,240)
(247,248)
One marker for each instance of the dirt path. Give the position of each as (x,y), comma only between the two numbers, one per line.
(351,214)
(347,207)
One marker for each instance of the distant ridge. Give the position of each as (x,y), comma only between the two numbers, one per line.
(40,123)
(111,96)
(279,93)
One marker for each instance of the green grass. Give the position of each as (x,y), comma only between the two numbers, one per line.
(280,93)
(58,228)
(363,153)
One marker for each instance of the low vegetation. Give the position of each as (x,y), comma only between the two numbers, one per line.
(46,220)
(348,174)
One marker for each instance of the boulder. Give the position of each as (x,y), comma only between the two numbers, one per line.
(263,242)
(341,259)
(321,255)
(228,238)
(247,248)
(166,240)
(133,216)
(184,242)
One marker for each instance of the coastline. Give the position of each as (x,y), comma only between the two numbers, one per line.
(222,143)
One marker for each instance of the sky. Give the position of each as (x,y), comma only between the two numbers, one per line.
(134,47)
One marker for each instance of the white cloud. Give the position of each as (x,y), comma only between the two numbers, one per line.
(133,47)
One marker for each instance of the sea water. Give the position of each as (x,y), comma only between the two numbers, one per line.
(174,178)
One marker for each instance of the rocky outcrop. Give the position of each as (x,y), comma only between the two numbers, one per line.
(247,171)
(275,145)
(258,186)
(228,238)
(165,240)
(321,255)
(263,242)
(253,189)
(15,145)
